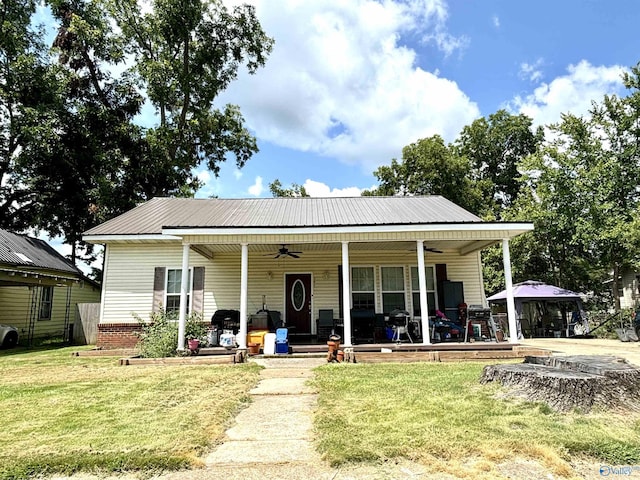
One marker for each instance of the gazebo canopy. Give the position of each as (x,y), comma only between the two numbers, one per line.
(533,290)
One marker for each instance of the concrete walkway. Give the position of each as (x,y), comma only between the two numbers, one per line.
(273,437)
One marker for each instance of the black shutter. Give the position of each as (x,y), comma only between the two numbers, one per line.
(158,288)
(197,302)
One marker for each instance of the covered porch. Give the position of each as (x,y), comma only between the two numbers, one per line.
(306,281)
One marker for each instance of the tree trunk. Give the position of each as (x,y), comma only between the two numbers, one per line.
(564,383)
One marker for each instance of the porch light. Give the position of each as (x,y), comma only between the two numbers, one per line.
(270,275)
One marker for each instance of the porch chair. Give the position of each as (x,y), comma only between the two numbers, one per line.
(325,324)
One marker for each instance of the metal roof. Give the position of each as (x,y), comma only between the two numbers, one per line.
(151,217)
(31,253)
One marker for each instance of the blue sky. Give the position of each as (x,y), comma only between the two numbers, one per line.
(350,83)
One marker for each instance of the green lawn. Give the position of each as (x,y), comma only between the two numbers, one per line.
(439,414)
(62,414)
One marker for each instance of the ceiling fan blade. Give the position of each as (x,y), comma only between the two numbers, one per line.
(291,254)
(432,250)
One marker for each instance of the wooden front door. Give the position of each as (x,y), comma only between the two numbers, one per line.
(298,303)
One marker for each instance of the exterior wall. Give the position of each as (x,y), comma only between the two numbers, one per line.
(630,289)
(15,307)
(128,283)
(117,335)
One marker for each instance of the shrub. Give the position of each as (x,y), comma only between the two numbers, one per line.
(194,328)
(158,336)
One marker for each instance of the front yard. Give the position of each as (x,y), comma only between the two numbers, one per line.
(62,414)
(438,415)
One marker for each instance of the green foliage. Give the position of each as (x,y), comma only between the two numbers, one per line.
(158,336)
(581,192)
(194,328)
(277,190)
(67,111)
(25,86)
(494,146)
(429,167)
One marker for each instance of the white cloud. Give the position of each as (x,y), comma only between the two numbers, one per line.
(257,188)
(496,21)
(237,174)
(532,71)
(319,189)
(572,93)
(204,176)
(340,84)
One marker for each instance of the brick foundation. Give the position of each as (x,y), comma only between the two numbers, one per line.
(117,335)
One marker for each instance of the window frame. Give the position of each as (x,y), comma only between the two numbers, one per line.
(48,303)
(383,291)
(173,294)
(372,292)
(417,291)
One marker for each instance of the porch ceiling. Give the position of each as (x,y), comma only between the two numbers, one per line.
(462,247)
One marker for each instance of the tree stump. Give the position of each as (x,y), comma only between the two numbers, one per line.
(564,383)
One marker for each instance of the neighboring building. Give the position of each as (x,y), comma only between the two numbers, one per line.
(39,288)
(629,287)
(354,256)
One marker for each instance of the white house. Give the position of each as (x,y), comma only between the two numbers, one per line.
(296,256)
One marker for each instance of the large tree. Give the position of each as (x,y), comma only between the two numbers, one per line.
(582,193)
(185,54)
(27,88)
(90,159)
(430,167)
(494,146)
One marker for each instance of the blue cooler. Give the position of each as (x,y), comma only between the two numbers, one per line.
(282,342)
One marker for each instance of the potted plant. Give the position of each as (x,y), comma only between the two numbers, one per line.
(194,332)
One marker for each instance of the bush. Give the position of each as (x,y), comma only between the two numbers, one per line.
(159,336)
(194,328)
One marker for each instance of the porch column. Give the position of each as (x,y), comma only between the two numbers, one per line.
(346,294)
(511,306)
(184,289)
(244,275)
(424,307)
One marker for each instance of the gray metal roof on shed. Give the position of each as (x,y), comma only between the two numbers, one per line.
(151,217)
(21,251)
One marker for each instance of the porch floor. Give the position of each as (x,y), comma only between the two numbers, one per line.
(408,352)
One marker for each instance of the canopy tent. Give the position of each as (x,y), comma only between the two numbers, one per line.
(533,300)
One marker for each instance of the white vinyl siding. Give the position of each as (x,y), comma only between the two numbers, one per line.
(130,270)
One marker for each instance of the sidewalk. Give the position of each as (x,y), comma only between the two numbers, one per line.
(630,351)
(273,437)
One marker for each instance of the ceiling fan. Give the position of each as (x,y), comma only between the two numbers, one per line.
(429,249)
(283,251)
